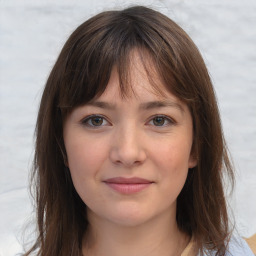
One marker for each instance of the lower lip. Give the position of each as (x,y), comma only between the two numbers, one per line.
(125,188)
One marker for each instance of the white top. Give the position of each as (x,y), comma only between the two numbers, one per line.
(237,247)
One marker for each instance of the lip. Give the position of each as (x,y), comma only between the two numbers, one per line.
(128,185)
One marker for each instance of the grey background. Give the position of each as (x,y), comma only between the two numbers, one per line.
(31,36)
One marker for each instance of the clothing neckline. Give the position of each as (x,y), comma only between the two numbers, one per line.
(189,249)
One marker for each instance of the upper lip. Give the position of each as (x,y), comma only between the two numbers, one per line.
(122,180)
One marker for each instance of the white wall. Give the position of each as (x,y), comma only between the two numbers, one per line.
(32,34)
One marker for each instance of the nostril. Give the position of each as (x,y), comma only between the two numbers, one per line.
(127,157)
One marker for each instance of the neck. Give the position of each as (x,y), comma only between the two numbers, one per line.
(159,236)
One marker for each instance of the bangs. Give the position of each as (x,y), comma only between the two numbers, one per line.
(107,41)
(99,45)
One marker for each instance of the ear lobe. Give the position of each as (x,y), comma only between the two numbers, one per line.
(192,161)
(66,162)
(193,158)
(65,159)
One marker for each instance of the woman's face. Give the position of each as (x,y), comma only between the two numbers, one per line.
(129,158)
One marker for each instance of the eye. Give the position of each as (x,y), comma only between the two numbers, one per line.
(95,121)
(161,121)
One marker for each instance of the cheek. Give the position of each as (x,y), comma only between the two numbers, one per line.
(84,158)
(82,151)
(174,155)
(172,163)
(84,161)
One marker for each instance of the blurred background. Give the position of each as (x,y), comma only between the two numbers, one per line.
(32,34)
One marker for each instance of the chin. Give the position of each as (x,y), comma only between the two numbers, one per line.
(130,217)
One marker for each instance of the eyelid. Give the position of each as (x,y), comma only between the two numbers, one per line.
(168,118)
(84,121)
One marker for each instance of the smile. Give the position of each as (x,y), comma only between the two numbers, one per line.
(128,185)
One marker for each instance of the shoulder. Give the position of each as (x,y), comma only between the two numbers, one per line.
(239,247)
(236,247)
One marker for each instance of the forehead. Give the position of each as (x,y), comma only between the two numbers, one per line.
(146,91)
(139,80)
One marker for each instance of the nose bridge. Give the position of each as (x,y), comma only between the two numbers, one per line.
(127,147)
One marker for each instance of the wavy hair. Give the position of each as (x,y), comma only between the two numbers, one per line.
(80,74)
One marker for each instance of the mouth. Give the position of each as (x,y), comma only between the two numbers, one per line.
(128,185)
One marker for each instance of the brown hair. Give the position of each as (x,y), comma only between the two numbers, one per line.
(80,74)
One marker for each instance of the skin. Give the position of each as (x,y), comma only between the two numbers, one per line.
(125,139)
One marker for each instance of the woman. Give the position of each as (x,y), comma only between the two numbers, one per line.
(130,155)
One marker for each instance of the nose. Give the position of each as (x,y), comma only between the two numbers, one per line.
(127,147)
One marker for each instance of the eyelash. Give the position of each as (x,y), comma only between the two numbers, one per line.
(88,119)
(165,118)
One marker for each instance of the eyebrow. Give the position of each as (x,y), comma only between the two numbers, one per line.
(161,104)
(102,104)
(144,106)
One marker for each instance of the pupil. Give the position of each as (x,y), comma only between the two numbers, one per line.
(158,121)
(97,121)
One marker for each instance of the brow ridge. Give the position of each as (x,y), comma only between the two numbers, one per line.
(144,106)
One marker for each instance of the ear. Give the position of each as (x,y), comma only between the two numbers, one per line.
(65,159)
(193,159)
(192,162)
